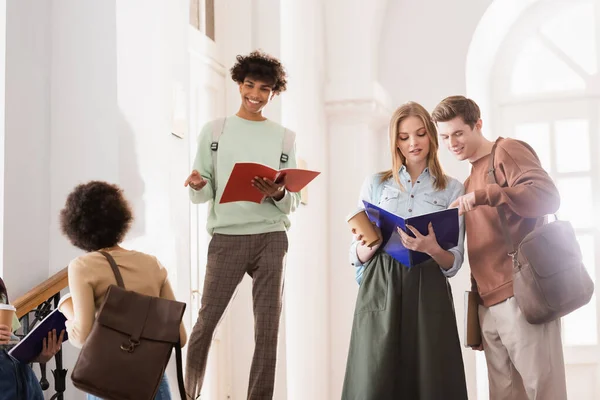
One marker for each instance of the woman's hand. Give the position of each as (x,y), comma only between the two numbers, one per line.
(359,237)
(424,243)
(363,252)
(4,334)
(50,346)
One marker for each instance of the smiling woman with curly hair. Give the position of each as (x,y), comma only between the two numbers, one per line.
(96,216)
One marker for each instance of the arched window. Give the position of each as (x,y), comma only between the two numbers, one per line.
(545,89)
(202,16)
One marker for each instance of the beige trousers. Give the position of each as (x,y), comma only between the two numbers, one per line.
(525,361)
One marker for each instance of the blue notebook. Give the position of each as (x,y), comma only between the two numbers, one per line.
(445,225)
(31,345)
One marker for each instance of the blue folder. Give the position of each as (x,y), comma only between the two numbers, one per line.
(445,226)
(31,345)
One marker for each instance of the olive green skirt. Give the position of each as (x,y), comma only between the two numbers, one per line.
(404,342)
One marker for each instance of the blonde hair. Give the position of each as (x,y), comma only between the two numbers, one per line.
(412,109)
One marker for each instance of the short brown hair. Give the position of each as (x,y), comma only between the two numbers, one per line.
(96,215)
(457,106)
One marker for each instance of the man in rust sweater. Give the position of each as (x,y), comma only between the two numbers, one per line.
(524,361)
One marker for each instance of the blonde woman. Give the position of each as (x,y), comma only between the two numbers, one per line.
(404,341)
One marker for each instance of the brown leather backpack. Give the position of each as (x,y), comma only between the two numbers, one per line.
(549,278)
(129,346)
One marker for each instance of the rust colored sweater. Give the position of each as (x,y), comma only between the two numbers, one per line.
(526,193)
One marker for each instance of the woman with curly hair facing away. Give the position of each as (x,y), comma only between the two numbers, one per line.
(246,237)
(97,217)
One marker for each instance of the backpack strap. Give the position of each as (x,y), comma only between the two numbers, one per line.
(115,269)
(289,138)
(218,126)
(180,383)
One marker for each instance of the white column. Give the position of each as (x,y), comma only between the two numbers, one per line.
(356,131)
(306,298)
(358,110)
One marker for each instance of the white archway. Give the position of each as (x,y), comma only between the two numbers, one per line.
(483,50)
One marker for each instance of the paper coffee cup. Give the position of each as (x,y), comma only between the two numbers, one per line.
(7,312)
(360,222)
(65,306)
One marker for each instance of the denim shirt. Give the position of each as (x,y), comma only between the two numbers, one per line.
(416,198)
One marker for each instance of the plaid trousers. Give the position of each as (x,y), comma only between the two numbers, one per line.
(262,256)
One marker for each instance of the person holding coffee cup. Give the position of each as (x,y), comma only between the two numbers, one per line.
(404,340)
(17,380)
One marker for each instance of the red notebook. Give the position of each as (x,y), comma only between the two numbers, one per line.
(239,186)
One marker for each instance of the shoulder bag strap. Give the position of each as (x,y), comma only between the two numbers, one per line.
(492,180)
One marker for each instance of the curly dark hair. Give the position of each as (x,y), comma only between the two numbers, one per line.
(261,66)
(96,215)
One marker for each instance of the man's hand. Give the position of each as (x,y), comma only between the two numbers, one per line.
(50,346)
(4,334)
(464,203)
(478,348)
(269,188)
(423,243)
(195,181)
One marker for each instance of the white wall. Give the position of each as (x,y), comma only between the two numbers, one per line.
(84,141)
(26,145)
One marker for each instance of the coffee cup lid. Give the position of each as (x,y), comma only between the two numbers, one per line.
(7,307)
